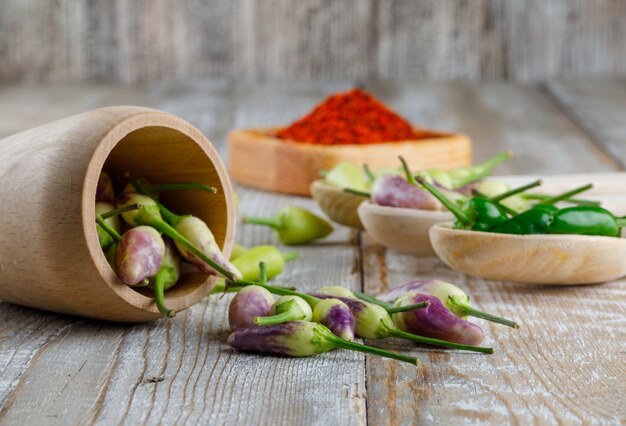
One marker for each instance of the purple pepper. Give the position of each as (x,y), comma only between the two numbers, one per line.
(335,315)
(450,295)
(299,339)
(104,189)
(436,321)
(250,302)
(395,191)
(374,322)
(139,254)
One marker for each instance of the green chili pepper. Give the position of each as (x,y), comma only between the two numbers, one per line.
(294,225)
(237,251)
(248,262)
(105,237)
(461,176)
(537,219)
(586,220)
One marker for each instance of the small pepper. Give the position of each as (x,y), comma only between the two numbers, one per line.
(139,254)
(461,176)
(105,237)
(294,225)
(586,220)
(346,175)
(237,251)
(300,339)
(187,232)
(537,219)
(436,321)
(247,263)
(450,295)
(395,191)
(286,308)
(249,302)
(335,315)
(478,213)
(167,277)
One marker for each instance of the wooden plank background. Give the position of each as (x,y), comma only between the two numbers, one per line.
(565,365)
(152,40)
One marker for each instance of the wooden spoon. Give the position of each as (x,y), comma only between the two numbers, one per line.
(533,259)
(400,229)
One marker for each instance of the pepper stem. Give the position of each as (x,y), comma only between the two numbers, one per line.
(344,344)
(169,216)
(357,192)
(159,296)
(409,176)
(368,173)
(290,255)
(272,222)
(504,208)
(263,273)
(567,194)
(462,309)
(396,309)
(121,210)
(396,332)
(287,314)
(108,229)
(621,222)
(388,306)
(451,206)
(165,228)
(579,201)
(162,187)
(517,190)
(281,291)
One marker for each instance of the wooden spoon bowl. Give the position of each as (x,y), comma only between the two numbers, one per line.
(533,259)
(400,229)
(339,206)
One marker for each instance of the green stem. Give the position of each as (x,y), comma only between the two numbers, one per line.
(288,314)
(159,296)
(344,344)
(368,173)
(462,309)
(388,306)
(396,309)
(108,228)
(169,216)
(396,332)
(162,187)
(281,291)
(621,222)
(451,206)
(579,201)
(568,194)
(290,255)
(357,192)
(121,210)
(165,228)
(409,176)
(267,221)
(504,208)
(515,191)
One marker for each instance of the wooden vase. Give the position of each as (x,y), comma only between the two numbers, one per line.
(50,257)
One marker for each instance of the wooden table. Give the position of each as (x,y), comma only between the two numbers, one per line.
(565,365)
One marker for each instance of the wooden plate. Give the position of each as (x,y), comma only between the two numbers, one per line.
(259,159)
(533,259)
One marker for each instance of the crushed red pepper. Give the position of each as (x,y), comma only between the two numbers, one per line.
(353,117)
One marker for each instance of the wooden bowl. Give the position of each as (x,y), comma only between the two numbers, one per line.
(51,258)
(533,259)
(339,206)
(400,229)
(259,159)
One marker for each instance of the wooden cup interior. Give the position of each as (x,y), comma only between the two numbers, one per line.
(167,155)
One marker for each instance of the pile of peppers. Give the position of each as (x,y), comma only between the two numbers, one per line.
(305,324)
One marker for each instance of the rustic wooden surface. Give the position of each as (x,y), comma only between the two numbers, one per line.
(565,365)
(154,40)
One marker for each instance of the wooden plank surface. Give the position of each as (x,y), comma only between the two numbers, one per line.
(564,365)
(535,374)
(167,40)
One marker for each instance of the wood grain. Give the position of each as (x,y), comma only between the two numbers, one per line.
(565,365)
(535,374)
(168,40)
